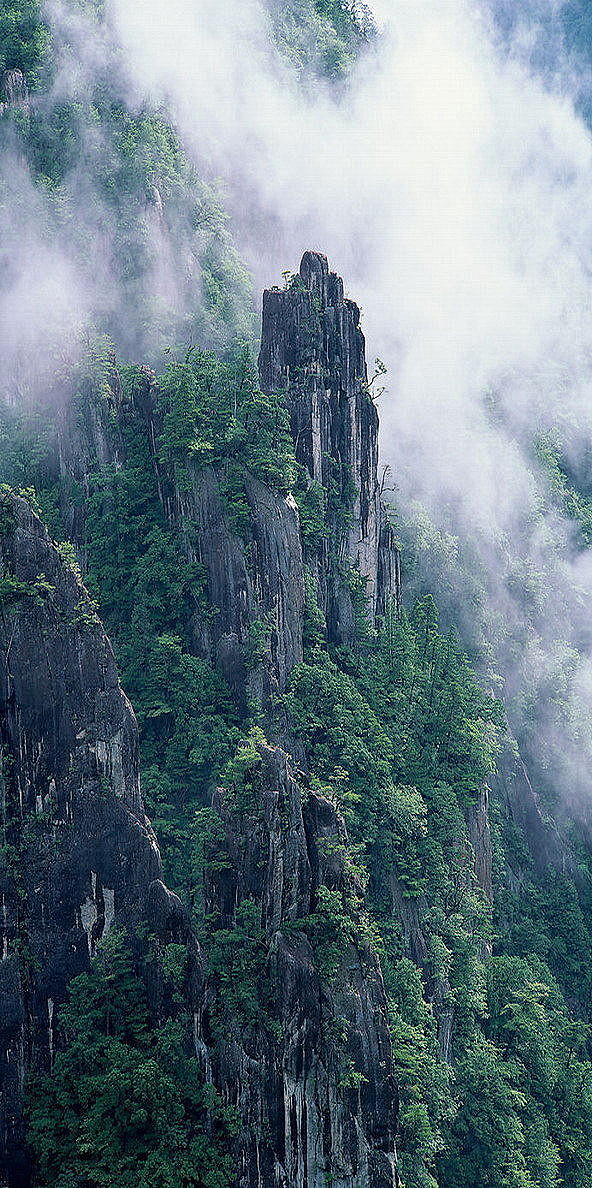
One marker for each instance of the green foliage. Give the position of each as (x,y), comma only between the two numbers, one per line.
(311,498)
(406,732)
(357,585)
(68,555)
(7,514)
(188,731)
(322,36)
(396,732)
(402,738)
(13,591)
(341,495)
(141,208)
(349,750)
(23,38)
(241,778)
(487,1144)
(447,727)
(213,413)
(424,1080)
(258,641)
(240,984)
(125,1094)
(574,503)
(149,593)
(333,927)
(524,1092)
(549,920)
(314,627)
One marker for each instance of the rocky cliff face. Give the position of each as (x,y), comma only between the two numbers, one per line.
(312,1077)
(311,1072)
(306,1056)
(13,91)
(313,351)
(77,853)
(254,584)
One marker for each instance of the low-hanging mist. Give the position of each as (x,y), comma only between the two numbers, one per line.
(448,179)
(351,940)
(449,183)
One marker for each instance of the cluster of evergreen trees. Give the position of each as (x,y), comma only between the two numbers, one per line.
(398,730)
(400,735)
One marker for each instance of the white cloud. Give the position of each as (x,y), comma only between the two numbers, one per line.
(450,187)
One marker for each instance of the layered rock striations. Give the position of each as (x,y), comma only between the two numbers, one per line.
(305,1054)
(313,352)
(313,355)
(254,584)
(77,853)
(312,1076)
(14,92)
(310,1068)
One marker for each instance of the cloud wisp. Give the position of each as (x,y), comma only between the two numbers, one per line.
(450,185)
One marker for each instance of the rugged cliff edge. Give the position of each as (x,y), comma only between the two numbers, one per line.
(77,852)
(312,1077)
(306,1057)
(334,994)
(313,351)
(311,1072)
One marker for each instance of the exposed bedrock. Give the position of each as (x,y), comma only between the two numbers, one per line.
(77,852)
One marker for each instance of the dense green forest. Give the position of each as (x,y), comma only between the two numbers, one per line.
(402,738)
(402,727)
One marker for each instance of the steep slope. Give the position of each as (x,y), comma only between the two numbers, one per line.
(77,852)
(313,352)
(317,761)
(292,1025)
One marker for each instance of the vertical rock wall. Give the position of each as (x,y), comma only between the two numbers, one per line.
(14,92)
(312,1074)
(76,852)
(313,351)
